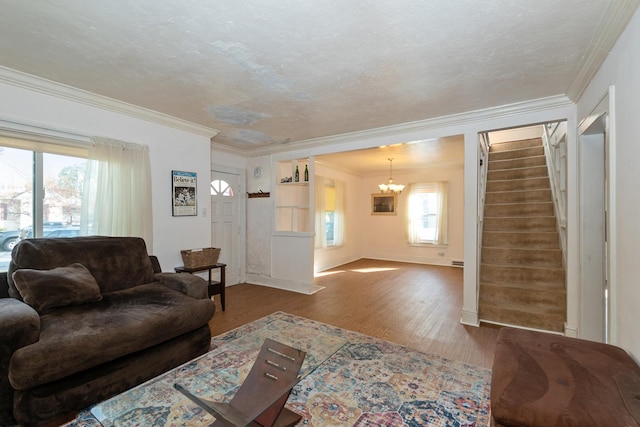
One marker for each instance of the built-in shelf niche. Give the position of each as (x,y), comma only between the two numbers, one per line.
(292,209)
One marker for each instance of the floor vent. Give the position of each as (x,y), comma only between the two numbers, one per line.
(457,263)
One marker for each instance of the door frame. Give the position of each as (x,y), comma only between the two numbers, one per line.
(242,216)
(602,119)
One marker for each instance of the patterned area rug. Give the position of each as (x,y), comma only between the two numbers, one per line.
(349,379)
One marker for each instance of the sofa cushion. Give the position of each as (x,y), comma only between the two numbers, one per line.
(76,338)
(116,262)
(58,287)
(543,379)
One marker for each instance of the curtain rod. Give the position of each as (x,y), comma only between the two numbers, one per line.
(30,128)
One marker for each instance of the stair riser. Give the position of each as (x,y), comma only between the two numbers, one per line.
(518,196)
(514,298)
(535,258)
(516,154)
(515,145)
(497,239)
(545,321)
(521,275)
(533,224)
(529,172)
(517,163)
(519,184)
(518,210)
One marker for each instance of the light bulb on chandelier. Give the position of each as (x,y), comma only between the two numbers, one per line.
(390,186)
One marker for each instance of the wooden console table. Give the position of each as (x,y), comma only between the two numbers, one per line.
(214,287)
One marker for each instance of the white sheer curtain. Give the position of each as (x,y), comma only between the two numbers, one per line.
(442,189)
(321,228)
(339,225)
(427,200)
(414,214)
(117,191)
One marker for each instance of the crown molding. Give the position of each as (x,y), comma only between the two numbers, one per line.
(216,146)
(492,113)
(613,23)
(48,87)
(59,90)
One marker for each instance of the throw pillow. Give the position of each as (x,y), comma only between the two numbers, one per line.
(58,287)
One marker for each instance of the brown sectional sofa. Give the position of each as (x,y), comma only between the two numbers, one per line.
(84,318)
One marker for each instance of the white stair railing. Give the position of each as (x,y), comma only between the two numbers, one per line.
(483,167)
(554,140)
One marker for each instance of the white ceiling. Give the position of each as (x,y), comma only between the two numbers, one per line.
(270,72)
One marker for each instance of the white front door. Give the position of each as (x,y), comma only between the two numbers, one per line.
(225,230)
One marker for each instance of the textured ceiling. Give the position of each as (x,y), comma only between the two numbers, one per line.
(271,72)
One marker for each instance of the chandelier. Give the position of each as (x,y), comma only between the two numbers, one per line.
(390,186)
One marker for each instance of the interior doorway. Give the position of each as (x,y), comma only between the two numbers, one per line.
(595,223)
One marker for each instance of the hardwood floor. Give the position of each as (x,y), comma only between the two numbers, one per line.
(415,305)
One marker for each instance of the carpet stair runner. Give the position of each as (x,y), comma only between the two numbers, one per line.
(522,278)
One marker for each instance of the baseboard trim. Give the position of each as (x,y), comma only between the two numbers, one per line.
(337,263)
(285,285)
(570,330)
(469,318)
(491,322)
(445,262)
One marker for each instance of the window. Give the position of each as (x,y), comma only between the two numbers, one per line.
(427,213)
(71,185)
(221,188)
(41,191)
(330,212)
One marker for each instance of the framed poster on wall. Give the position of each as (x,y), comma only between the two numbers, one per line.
(384,204)
(183,193)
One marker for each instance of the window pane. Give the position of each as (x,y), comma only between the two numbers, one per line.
(425,215)
(219,187)
(329,219)
(16,185)
(63,178)
(429,211)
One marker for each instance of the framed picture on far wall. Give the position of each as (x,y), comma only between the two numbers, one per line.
(384,204)
(183,193)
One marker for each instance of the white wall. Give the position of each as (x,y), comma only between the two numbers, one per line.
(389,241)
(622,70)
(260,217)
(227,159)
(169,149)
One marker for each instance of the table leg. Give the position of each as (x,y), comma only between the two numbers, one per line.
(222,285)
(209,288)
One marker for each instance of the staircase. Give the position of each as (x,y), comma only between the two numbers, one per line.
(522,278)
